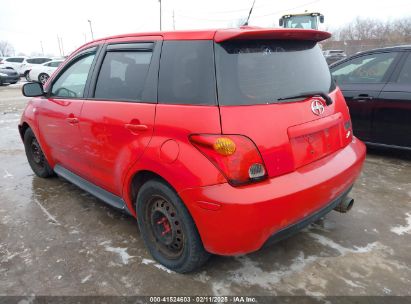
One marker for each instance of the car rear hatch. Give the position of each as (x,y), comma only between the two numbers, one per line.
(274,86)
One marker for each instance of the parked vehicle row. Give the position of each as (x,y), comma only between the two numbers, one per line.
(377,87)
(41,73)
(199,136)
(23,65)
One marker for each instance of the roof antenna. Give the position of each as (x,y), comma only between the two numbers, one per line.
(249,14)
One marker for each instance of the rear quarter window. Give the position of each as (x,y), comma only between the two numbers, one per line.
(187,73)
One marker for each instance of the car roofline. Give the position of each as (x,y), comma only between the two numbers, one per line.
(219,35)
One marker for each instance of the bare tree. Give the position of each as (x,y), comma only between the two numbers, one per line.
(396,31)
(6,49)
(363,34)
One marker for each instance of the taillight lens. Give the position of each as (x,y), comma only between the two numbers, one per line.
(348,129)
(236,156)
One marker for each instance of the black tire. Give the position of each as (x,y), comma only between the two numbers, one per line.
(35,156)
(26,75)
(43,77)
(180,249)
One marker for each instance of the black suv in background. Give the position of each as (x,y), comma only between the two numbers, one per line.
(377,87)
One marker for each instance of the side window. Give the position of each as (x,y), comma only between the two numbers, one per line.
(19,60)
(365,69)
(72,81)
(405,75)
(54,64)
(187,73)
(123,75)
(43,60)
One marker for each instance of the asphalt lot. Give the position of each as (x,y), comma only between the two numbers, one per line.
(55,239)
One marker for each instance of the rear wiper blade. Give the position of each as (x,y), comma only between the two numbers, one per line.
(327,98)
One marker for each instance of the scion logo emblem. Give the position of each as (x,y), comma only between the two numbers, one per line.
(317,107)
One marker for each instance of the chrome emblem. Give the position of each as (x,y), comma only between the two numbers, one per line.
(317,107)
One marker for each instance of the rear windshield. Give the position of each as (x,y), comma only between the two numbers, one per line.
(263,71)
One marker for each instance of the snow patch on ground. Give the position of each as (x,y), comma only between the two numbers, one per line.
(341,249)
(51,218)
(250,272)
(400,230)
(159,266)
(7,174)
(86,279)
(121,252)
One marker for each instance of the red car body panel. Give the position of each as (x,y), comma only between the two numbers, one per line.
(247,216)
(170,153)
(110,144)
(230,220)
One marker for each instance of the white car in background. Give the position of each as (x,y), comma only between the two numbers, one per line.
(15,63)
(41,73)
(21,64)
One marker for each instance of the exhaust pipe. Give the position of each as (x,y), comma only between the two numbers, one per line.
(345,205)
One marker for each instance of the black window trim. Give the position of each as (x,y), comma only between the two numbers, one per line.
(154,46)
(388,74)
(94,49)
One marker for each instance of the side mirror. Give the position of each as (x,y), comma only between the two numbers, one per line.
(33,89)
(322,18)
(280,22)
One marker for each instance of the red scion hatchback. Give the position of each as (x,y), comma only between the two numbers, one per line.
(217,141)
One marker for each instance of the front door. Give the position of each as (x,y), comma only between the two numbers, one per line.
(59,117)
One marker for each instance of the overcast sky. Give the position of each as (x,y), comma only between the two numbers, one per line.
(25,23)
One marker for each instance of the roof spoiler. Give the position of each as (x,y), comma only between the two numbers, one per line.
(278,33)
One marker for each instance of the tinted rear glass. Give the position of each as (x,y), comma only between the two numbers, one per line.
(187,73)
(263,71)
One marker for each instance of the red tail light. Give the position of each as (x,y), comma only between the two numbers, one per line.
(348,130)
(236,156)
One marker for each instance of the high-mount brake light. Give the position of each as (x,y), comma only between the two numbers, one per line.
(236,156)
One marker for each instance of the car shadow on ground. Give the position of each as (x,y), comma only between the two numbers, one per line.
(390,153)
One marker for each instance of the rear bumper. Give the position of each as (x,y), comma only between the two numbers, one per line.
(239,220)
(9,79)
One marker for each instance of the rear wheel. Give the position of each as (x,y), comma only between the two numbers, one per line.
(43,77)
(26,75)
(35,155)
(167,228)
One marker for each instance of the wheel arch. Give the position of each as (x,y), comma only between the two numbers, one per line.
(137,180)
(23,128)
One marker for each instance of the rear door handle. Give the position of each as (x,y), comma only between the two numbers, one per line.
(72,120)
(136,128)
(362,97)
